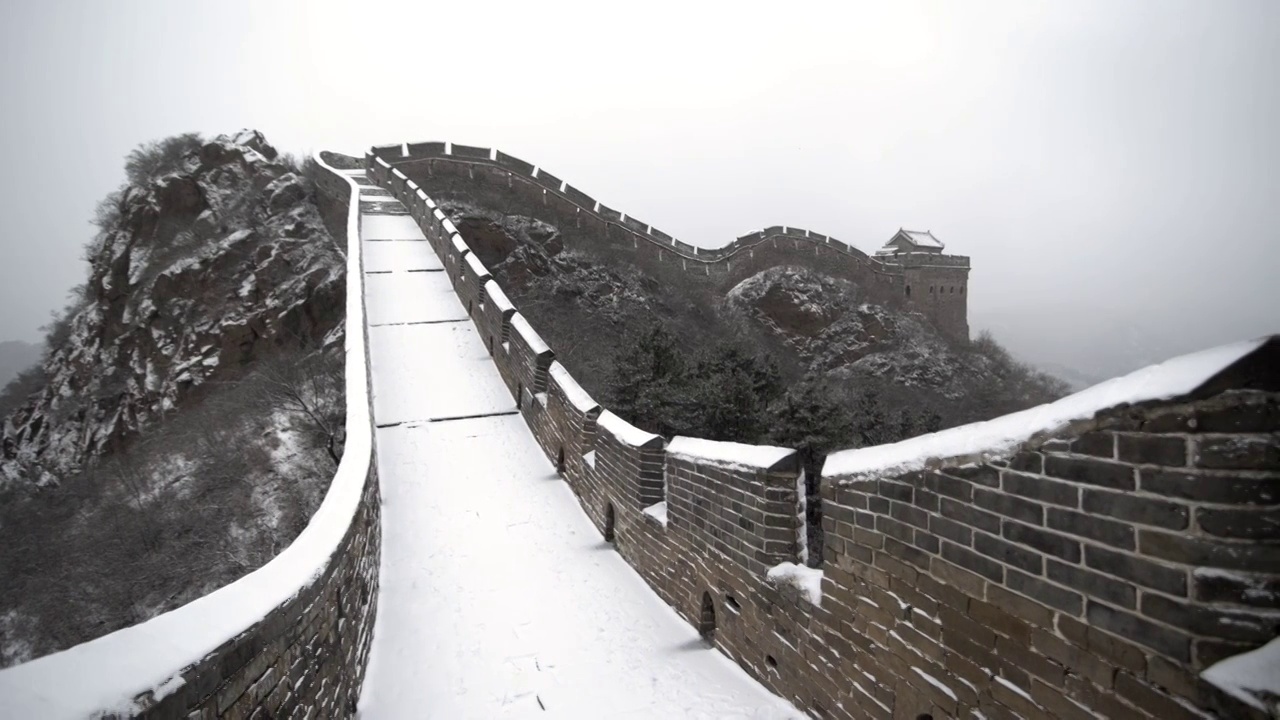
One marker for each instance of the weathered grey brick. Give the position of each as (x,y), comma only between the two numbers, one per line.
(1167,450)
(1113,533)
(1102,473)
(1137,508)
(1141,571)
(1168,642)
(1040,488)
(1108,589)
(1052,543)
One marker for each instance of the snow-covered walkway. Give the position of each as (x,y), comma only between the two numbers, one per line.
(499,599)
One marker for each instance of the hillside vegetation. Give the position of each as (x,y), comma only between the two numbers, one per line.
(788,356)
(187,415)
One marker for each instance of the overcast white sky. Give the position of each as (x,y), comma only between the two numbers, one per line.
(1111,167)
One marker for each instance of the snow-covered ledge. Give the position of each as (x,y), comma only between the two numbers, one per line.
(218,650)
(997,438)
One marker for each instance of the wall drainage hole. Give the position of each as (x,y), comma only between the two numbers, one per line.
(732,602)
(768,660)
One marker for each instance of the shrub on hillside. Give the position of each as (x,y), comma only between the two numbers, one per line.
(152,160)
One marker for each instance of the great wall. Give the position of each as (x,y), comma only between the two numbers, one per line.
(1095,564)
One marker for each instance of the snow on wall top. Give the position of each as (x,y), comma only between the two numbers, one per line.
(499,298)
(110,671)
(923,239)
(476,266)
(531,338)
(458,243)
(625,432)
(573,392)
(729,454)
(1249,676)
(994,438)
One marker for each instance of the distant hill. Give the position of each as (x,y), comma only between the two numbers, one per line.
(16,356)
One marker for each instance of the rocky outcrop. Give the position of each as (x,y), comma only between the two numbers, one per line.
(195,274)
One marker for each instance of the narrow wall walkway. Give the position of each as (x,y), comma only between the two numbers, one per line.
(498,597)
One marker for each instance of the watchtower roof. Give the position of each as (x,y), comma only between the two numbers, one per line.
(911,241)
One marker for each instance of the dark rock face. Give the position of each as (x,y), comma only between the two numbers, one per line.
(202,269)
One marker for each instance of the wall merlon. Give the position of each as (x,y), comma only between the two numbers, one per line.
(585,201)
(470,152)
(549,181)
(421,150)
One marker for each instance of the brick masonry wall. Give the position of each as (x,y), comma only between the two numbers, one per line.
(1090,573)
(507,183)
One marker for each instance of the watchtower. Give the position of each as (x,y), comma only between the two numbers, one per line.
(933,282)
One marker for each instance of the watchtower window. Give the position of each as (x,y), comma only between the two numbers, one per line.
(908,291)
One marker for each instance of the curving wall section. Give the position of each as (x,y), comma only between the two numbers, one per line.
(1089,557)
(521,188)
(293,636)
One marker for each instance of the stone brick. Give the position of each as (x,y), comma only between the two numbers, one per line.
(1089,471)
(1009,506)
(1167,450)
(1017,605)
(1000,621)
(1098,444)
(981,474)
(1241,452)
(1073,657)
(969,515)
(1051,595)
(1210,487)
(1094,584)
(1143,572)
(1168,642)
(1031,462)
(1106,531)
(1008,553)
(1211,622)
(1257,590)
(1151,700)
(1040,488)
(1057,703)
(973,562)
(953,487)
(1207,553)
(1242,414)
(1048,542)
(1137,508)
(950,530)
(1253,524)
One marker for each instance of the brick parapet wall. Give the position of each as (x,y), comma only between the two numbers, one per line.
(1044,584)
(514,186)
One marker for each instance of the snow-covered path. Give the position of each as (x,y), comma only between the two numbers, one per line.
(499,599)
